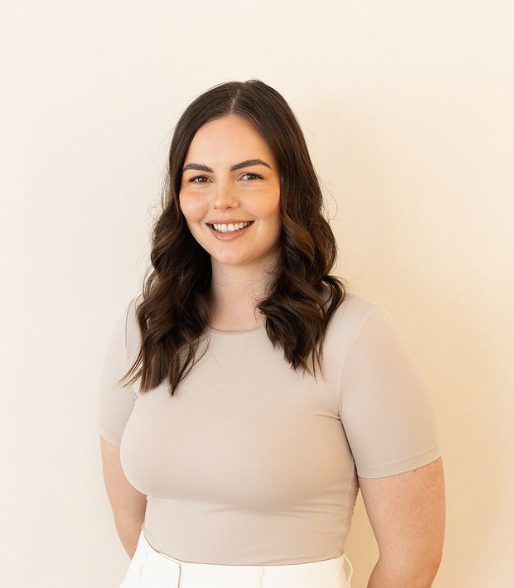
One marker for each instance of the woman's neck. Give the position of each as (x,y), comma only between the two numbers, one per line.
(235,294)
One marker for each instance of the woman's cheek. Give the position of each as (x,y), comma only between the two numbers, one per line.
(192,208)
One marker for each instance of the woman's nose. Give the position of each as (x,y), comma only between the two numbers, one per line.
(224,195)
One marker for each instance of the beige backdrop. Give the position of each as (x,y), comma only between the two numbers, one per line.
(407,108)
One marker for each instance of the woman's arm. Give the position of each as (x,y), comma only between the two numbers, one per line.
(407,514)
(128,504)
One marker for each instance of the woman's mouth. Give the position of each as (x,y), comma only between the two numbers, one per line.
(231,231)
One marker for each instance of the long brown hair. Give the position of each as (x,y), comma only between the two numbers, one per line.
(301,297)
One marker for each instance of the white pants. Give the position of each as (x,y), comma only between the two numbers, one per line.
(152,569)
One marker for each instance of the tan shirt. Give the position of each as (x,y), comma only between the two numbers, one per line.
(251,463)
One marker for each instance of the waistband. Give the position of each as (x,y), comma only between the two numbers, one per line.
(330,572)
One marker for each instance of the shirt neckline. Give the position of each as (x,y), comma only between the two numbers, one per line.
(219,332)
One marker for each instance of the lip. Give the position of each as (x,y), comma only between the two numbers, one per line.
(227,221)
(228,236)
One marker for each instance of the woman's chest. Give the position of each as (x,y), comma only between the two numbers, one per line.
(244,428)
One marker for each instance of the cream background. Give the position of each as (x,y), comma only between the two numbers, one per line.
(407,108)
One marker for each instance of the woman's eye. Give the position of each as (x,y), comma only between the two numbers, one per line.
(205,177)
(255,175)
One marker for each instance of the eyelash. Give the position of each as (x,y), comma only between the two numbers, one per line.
(246,174)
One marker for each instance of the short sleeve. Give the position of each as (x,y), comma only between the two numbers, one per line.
(385,404)
(115,403)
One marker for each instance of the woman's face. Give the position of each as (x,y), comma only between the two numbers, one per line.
(212,191)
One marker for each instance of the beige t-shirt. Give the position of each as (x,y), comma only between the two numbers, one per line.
(251,463)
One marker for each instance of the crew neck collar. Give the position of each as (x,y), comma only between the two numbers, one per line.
(242,332)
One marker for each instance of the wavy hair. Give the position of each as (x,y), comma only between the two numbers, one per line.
(301,297)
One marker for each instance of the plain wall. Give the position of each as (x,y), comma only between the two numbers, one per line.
(407,108)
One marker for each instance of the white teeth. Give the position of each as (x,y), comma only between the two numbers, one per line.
(230,227)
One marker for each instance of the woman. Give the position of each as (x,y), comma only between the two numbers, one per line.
(262,395)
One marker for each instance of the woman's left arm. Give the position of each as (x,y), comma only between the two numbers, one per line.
(407,515)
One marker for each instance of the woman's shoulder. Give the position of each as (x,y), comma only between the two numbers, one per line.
(355,316)
(352,310)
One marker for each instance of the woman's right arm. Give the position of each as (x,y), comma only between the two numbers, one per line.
(115,405)
(128,504)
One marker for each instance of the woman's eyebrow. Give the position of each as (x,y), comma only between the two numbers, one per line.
(246,163)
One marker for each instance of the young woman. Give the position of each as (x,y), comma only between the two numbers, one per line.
(246,395)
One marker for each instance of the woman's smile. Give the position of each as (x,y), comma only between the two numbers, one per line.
(227,232)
